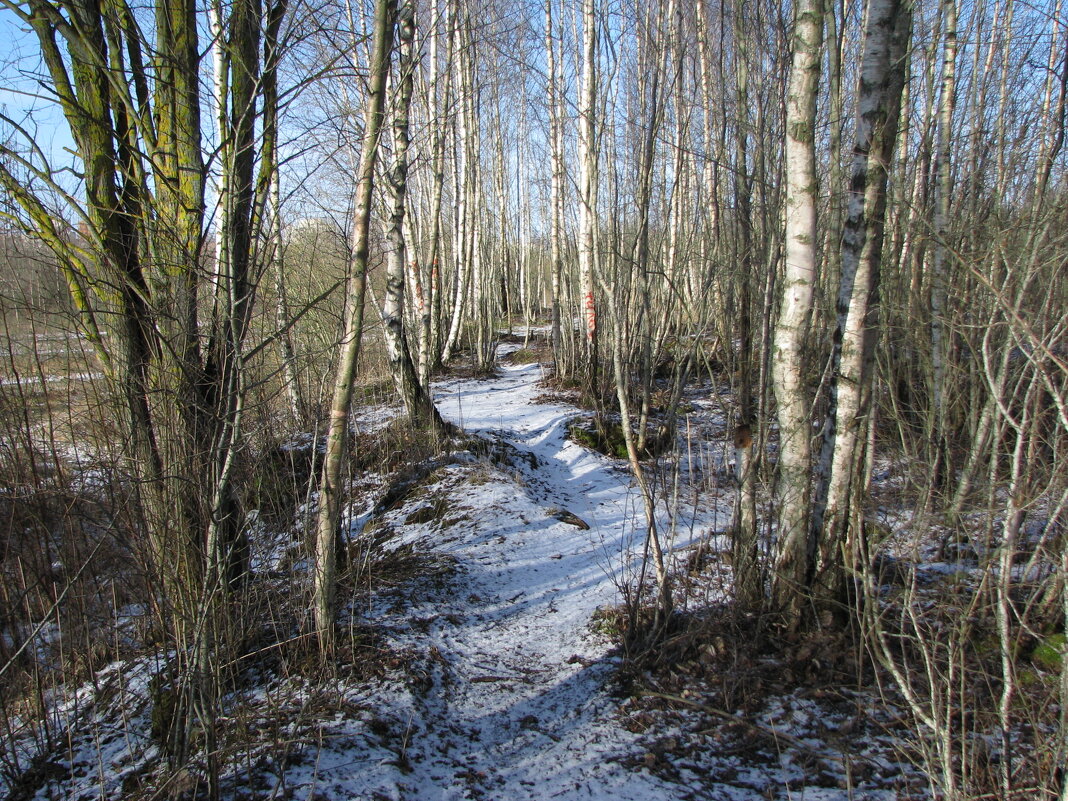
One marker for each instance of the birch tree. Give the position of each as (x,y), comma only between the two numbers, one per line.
(417,402)
(838,516)
(438,103)
(466,254)
(799,276)
(745,546)
(588,181)
(943,188)
(556,199)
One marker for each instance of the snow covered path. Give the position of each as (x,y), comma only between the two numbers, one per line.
(516,708)
(479,674)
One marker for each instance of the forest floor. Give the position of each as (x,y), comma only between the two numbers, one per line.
(486,663)
(508,694)
(514,690)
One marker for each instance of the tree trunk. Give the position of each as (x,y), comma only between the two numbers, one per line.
(838,526)
(330,485)
(420,408)
(556,166)
(748,584)
(943,188)
(587,154)
(787,358)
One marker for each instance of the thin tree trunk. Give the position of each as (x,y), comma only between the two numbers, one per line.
(269,169)
(463,255)
(745,550)
(588,180)
(431,340)
(556,145)
(664,604)
(943,188)
(330,487)
(420,408)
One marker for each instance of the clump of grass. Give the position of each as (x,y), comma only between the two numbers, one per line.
(529,355)
(606,439)
(611,622)
(435,510)
(395,447)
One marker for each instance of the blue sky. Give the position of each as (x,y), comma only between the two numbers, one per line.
(23,99)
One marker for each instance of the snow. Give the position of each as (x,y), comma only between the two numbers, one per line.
(52,379)
(498,686)
(515,700)
(517,706)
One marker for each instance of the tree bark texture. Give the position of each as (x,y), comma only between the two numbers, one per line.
(799,277)
(837,526)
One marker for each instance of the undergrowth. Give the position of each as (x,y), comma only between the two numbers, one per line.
(80,650)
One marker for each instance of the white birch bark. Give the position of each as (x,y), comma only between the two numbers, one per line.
(788,379)
(429,351)
(943,187)
(745,547)
(397,179)
(1052,125)
(481,277)
(556,144)
(841,465)
(461,184)
(523,212)
(421,410)
(220,81)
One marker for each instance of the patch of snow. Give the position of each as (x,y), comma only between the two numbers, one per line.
(503,691)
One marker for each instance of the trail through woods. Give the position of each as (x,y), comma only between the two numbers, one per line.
(515,703)
(480,667)
(507,688)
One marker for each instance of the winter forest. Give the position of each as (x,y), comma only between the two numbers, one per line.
(533,399)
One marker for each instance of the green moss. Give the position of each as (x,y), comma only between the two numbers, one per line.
(582,436)
(1028,677)
(1049,653)
(606,438)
